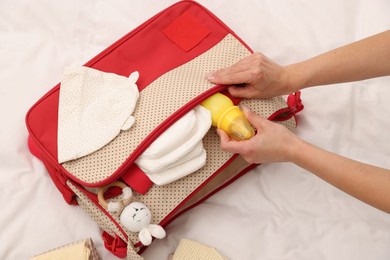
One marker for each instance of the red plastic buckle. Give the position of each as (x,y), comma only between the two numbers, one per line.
(294,102)
(294,105)
(116,245)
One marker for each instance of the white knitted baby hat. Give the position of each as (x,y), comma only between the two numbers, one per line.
(94,106)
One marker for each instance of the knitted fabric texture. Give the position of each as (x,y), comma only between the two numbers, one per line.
(83,250)
(192,250)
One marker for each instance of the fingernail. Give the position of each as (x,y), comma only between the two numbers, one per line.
(245,108)
(210,76)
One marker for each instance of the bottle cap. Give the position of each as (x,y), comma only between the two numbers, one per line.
(234,122)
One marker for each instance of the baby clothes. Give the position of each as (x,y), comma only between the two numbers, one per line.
(94,106)
(193,250)
(83,250)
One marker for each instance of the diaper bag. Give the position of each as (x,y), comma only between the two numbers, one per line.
(172,52)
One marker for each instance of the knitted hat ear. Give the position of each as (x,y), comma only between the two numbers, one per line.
(134,77)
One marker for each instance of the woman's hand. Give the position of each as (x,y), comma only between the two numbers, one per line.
(272,142)
(255,76)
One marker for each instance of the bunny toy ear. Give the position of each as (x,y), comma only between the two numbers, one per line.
(127,193)
(145,237)
(113,206)
(157,231)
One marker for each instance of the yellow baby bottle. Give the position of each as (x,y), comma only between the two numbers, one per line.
(228,117)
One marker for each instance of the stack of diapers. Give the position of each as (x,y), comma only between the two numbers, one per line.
(179,150)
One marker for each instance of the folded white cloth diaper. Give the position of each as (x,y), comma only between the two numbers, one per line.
(179,150)
(165,143)
(94,106)
(178,171)
(173,158)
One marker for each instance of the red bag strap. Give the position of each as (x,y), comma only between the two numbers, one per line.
(137,179)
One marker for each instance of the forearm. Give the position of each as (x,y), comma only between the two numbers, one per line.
(365,182)
(360,60)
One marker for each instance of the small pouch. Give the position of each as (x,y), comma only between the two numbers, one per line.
(172,51)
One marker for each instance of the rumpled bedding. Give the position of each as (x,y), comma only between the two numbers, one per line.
(276,211)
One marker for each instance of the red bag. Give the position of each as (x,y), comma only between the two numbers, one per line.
(172,52)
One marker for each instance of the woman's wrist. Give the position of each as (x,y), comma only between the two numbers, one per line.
(295,77)
(295,147)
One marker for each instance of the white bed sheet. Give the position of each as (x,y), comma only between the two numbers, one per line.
(277,211)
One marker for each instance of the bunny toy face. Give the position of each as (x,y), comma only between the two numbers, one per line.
(136,216)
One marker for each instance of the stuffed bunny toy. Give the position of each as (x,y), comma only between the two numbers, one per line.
(133,215)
